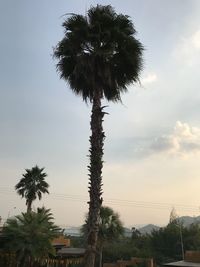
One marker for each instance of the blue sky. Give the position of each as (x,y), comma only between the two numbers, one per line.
(152,148)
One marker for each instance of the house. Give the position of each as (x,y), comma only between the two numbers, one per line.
(71,252)
(132,262)
(61,242)
(64,253)
(191,259)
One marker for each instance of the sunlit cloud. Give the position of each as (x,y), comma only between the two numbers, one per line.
(196,40)
(188,48)
(183,141)
(149,78)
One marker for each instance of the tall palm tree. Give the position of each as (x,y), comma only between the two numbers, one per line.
(29,236)
(32,185)
(99,57)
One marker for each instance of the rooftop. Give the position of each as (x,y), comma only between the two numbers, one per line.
(71,252)
(183,264)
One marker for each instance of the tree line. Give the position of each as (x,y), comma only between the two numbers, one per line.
(163,245)
(28,236)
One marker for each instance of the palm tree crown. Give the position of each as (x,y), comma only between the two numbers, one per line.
(29,235)
(99,52)
(32,185)
(110,225)
(110,229)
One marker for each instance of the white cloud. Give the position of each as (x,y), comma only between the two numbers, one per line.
(196,40)
(149,78)
(184,140)
(188,48)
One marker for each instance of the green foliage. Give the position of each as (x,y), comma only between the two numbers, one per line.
(135,234)
(110,226)
(166,243)
(29,235)
(191,237)
(32,185)
(173,217)
(76,241)
(126,248)
(99,51)
(122,249)
(141,243)
(110,229)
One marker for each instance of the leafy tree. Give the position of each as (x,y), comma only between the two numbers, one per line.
(99,57)
(110,229)
(127,247)
(166,243)
(32,185)
(124,249)
(173,217)
(135,233)
(29,236)
(191,237)
(141,242)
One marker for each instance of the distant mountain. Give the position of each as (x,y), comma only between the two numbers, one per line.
(127,232)
(72,231)
(147,229)
(187,220)
(75,231)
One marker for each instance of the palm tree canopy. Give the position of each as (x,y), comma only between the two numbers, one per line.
(32,184)
(99,52)
(30,234)
(110,226)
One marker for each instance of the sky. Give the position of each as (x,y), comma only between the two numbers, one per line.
(152,146)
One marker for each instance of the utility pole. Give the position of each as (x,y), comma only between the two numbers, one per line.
(181,237)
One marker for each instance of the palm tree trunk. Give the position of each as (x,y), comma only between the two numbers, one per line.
(100,256)
(29,204)
(95,178)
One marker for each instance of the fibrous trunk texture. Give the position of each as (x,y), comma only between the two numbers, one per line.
(100,256)
(95,178)
(29,204)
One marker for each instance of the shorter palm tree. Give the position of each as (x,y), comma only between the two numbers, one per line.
(29,236)
(32,185)
(110,229)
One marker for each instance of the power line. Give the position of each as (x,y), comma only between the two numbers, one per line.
(111,201)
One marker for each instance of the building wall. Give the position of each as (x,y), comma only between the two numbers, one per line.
(62,241)
(133,262)
(192,256)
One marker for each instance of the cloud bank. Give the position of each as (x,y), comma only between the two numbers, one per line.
(184,140)
(188,48)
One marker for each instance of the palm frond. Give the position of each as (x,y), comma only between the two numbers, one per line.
(32,184)
(99,52)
